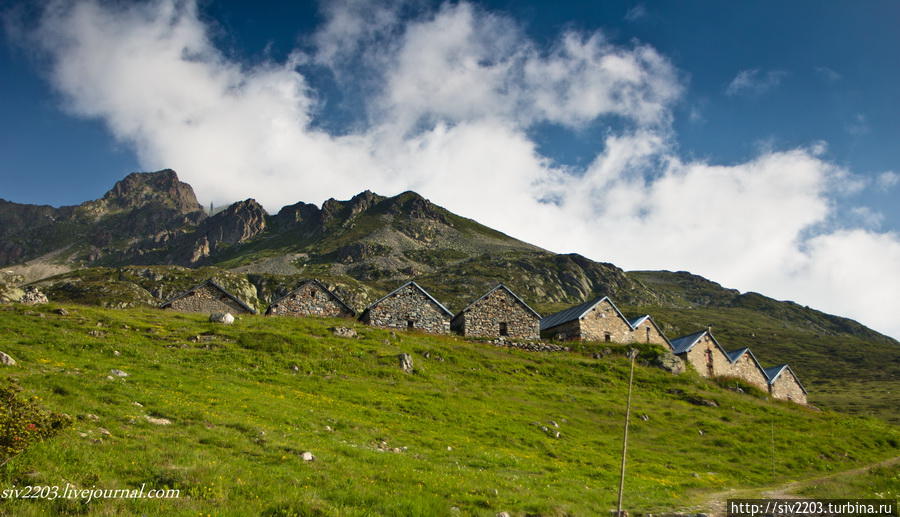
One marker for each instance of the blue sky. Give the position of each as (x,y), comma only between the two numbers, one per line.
(777,121)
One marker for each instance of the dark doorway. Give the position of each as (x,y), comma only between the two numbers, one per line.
(607,337)
(504,329)
(410,324)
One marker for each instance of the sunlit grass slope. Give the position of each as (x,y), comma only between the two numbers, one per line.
(246,400)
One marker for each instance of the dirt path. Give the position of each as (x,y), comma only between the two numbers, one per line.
(715,503)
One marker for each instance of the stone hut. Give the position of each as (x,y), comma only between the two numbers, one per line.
(746,367)
(703,351)
(408,307)
(784,384)
(645,330)
(208,297)
(310,298)
(596,320)
(499,313)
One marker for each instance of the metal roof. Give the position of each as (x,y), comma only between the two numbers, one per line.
(577,312)
(508,290)
(774,371)
(682,344)
(417,286)
(637,321)
(321,286)
(214,284)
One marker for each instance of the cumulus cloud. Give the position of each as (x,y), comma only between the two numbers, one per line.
(754,82)
(888,179)
(451,95)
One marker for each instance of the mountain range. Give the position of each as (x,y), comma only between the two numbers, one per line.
(148,237)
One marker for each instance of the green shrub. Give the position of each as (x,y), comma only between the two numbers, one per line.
(24,422)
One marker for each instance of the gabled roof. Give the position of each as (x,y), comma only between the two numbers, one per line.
(508,290)
(637,321)
(774,371)
(640,319)
(212,283)
(321,286)
(417,286)
(577,312)
(734,355)
(683,344)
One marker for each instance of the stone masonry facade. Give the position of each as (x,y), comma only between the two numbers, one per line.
(602,323)
(648,332)
(746,369)
(498,314)
(408,308)
(207,299)
(708,359)
(787,387)
(310,299)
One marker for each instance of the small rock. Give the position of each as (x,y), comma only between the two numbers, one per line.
(307,456)
(328,428)
(700,432)
(110,378)
(396,449)
(5,359)
(92,417)
(138,404)
(406,362)
(695,475)
(104,431)
(503,514)
(295,368)
(96,333)
(83,435)
(426,355)
(554,424)
(117,353)
(118,373)
(221,317)
(449,448)
(343,332)
(645,418)
(158,421)
(556,435)
(61,312)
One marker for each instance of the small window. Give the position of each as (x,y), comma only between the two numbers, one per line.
(410,324)
(312,293)
(648,334)
(504,329)
(607,337)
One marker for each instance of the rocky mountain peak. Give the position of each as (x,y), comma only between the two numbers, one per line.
(140,189)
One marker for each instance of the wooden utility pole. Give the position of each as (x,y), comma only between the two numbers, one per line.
(633,355)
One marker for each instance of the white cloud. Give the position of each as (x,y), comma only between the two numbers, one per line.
(888,179)
(451,95)
(754,82)
(859,126)
(828,74)
(636,13)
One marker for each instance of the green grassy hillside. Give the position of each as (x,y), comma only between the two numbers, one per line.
(466,430)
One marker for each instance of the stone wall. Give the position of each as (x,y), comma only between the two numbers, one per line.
(746,369)
(786,387)
(206,299)
(488,316)
(604,320)
(700,355)
(408,308)
(310,299)
(647,332)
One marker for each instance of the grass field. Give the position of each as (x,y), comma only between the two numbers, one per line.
(464,431)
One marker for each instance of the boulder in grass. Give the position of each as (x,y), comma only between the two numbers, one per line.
(221,317)
(5,359)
